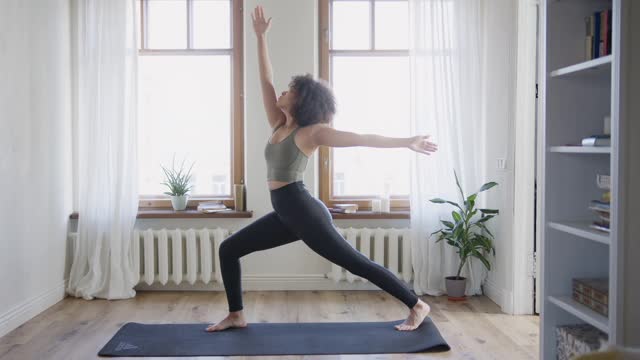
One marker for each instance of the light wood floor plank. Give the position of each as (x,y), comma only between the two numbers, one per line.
(77,329)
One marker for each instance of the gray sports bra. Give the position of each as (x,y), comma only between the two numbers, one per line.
(285,161)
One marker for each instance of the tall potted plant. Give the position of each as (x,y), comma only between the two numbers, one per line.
(468,233)
(178,184)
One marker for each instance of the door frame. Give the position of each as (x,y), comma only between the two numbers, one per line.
(525,155)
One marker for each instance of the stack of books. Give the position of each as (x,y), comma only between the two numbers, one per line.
(344,208)
(597,140)
(592,293)
(602,207)
(598,34)
(212,206)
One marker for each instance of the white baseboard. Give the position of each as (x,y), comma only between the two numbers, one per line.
(500,296)
(267,282)
(29,308)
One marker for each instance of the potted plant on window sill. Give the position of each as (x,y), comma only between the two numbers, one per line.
(468,235)
(179,186)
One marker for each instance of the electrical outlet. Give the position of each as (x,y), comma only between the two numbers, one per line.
(502,163)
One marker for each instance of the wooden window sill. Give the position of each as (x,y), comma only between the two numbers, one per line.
(364,214)
(163,213)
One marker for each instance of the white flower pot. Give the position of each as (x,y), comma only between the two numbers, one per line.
(179,202)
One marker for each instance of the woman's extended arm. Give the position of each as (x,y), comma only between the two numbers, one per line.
(328,136)
(269,98)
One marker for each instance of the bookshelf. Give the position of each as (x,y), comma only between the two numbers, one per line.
(581,149)
(577,93)
(601,65)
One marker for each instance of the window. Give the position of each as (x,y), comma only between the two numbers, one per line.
(364,55)
(190,97)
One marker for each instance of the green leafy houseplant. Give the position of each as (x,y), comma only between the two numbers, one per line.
(467,230)
(179,184)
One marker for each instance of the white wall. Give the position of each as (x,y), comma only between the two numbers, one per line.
(35,156)
(500,62)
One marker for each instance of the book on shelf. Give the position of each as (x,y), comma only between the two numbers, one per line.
(602,208)
(597,140)
(590,303)
(600,205)
(592,293)
(598,34)
(600,226)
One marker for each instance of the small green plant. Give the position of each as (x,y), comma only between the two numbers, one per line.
(466,233)
(177,182)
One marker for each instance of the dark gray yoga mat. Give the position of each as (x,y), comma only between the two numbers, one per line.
(135,339)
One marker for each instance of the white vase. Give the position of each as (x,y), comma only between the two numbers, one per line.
(179,202)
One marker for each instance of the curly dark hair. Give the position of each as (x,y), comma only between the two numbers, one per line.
(314,102)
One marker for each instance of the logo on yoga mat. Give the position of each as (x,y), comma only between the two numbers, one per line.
(125,346)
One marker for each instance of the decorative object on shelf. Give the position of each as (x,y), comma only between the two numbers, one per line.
(238,197)
(385,198)
(385,204)
(592,293)
(467,235)
(597,140)
(607,125)
(376,205)
(603,181)
(179,185)
(578,339)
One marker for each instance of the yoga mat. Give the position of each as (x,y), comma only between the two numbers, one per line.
(134,339)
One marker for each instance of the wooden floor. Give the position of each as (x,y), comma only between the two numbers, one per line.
(77,329)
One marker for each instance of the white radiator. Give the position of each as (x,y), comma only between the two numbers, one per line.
(395,255)
(157,253)
(197,249)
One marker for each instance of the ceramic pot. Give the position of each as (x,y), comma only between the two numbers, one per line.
(179,203)
(455,287)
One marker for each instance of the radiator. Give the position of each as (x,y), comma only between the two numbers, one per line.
(157,253)
(395,255)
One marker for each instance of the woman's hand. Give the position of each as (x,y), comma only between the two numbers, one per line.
(421,144)
(260,25)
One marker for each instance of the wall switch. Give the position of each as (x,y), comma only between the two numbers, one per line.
(502,163)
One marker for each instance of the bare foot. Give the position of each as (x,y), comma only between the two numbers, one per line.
(416,316)
(234,319)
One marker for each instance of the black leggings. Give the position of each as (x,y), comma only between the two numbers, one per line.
(298,215)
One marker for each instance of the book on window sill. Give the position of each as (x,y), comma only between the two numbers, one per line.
(211,206)
(210,211)
(352,207)
(342,211)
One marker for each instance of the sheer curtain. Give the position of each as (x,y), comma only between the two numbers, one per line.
(105,98)
(447,97)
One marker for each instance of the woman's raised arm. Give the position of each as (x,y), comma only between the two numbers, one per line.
(269,98)
(328,136)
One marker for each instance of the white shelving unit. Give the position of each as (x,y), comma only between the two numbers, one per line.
(576,96)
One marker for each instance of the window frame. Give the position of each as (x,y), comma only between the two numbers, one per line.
(325,153)
(160,201)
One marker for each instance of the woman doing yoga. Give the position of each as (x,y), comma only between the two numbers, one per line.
(299,120)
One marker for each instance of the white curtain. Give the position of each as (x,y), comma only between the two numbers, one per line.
(106,132)
(447,102)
